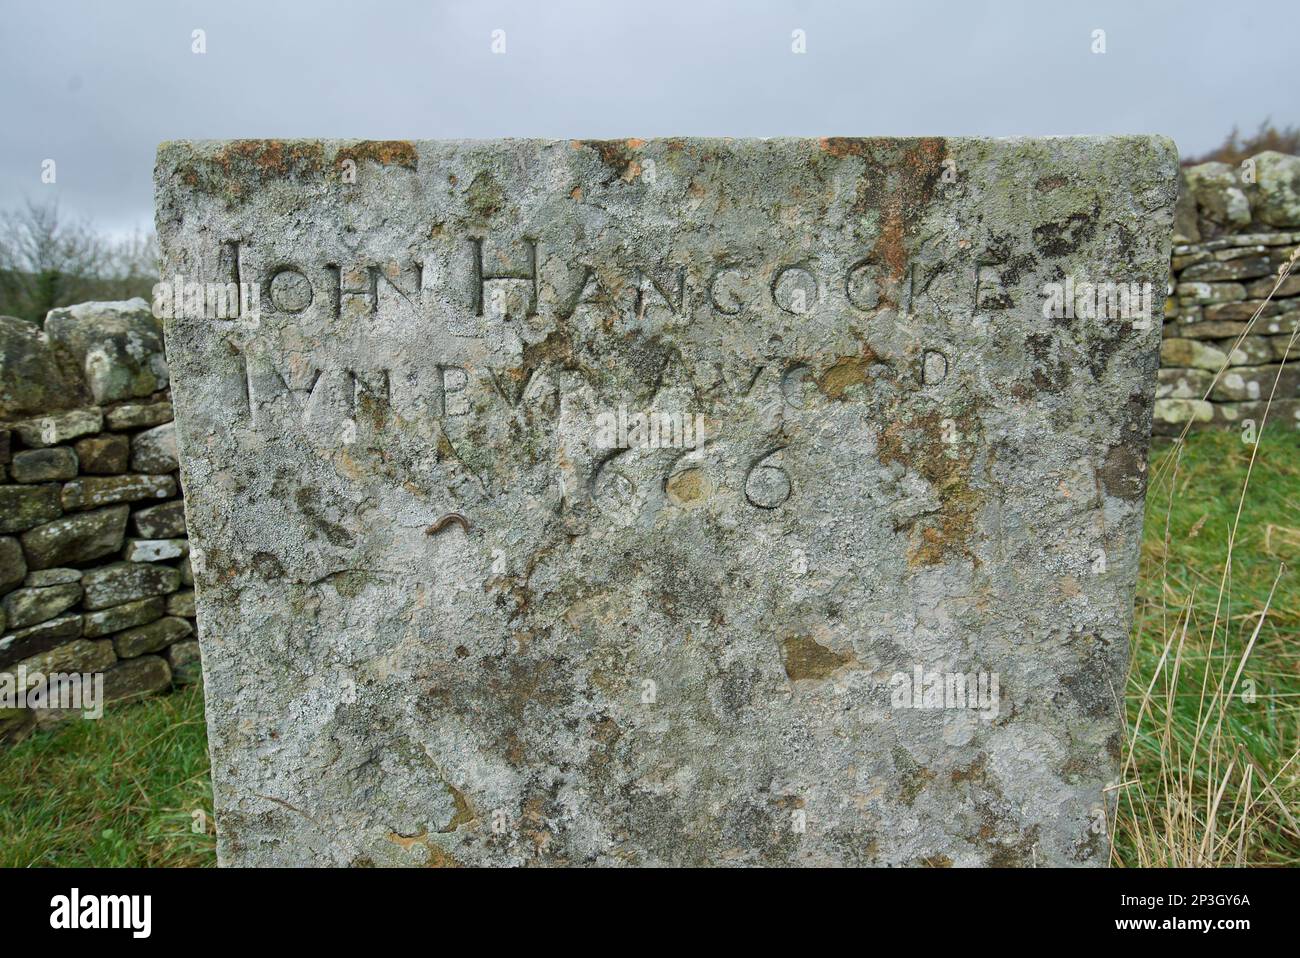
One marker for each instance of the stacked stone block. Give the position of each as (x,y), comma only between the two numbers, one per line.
(1236,226)
(94,560)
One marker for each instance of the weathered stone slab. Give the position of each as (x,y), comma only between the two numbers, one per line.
(22,644)
(124,582)
(22,507)
(152,637)
(92,491)
(181,603)
(59,427)
(187,666)
(166,521)
(13,567)
(104,455)
(154,550)
(32,378)
(154,450)
(79,538)
(124,616)
(139,415)
(44,465)
(460,604)
(24,607)
(136,678)
(117,346)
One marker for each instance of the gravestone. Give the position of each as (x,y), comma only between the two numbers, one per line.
(682,501)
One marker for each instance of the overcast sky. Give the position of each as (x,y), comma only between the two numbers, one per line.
(96,85)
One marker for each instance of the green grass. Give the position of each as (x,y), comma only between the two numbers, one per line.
(1211,776)
(120,791)
(123,790)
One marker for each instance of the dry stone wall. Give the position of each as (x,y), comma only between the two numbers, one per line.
(1236,226)
(94,560)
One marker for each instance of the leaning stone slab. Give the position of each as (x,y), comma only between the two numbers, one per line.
(682,501)
(78,538)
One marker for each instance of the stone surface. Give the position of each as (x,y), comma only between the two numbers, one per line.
(181,603)
(22,507)
(1283,415)
(32,379)
(24,607)
(44,577)
(187,667)
(1219,194)
(92,491)
(13,567)
(1192,353)
(154,550)
(139,415)
(1184,383)
(44,465)
(59,427)
(1276,197)
(166,521)
(136,678)
(154,450)
(79,538)
(104,455)
(117,346)
(443,623)
(1249,383)
(125,582)
(23,644)
(1177,412)
(125,616)
(152,637)
(78,655)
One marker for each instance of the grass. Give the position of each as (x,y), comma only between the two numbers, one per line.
(120,791)
(1210,773)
